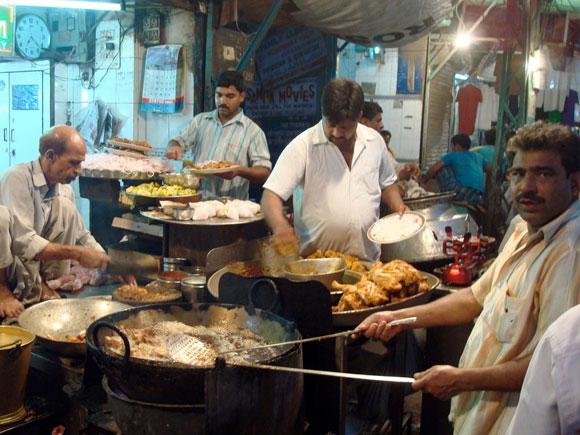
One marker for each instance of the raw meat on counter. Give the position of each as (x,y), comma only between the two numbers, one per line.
(77,278)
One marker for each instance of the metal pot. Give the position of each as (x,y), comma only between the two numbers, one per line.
(15,349)
(323,270)
(427,245)
(160,382)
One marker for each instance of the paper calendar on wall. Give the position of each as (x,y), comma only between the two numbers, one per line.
(163,79)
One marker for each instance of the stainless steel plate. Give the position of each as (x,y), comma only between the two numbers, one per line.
(215,221)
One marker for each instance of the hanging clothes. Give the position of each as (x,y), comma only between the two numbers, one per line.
(468,98)
(569,108)
(487,110)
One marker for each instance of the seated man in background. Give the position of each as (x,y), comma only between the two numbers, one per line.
(467,171)
(9,305)
(46,227)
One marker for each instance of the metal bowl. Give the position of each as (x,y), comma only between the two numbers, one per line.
(181,179)
(52,321)
(324,270)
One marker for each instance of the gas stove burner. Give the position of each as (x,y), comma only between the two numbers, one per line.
(469,254)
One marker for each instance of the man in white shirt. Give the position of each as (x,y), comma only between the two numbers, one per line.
(337,172)
(550,398)
(47,228)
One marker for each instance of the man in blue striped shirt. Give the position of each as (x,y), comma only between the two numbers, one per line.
(229,135)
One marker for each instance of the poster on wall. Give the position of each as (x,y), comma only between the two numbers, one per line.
(24,97)
(291,100)
(163,80)
(291,53)
(409,76)
(6,30)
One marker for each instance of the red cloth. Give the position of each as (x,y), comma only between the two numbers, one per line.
(468,97)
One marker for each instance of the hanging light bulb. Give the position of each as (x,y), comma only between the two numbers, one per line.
(463,40)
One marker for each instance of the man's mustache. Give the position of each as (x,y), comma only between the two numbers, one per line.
(530,197)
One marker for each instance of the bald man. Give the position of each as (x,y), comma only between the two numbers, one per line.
(46,226)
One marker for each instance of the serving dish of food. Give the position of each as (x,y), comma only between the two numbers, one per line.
(152,293)
(386,286)
(213,212)
(151,193)
(128,144)
(211,167)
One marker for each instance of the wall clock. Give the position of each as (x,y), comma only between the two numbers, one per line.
(32,36)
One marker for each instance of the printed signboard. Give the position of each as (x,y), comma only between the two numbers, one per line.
(6,30)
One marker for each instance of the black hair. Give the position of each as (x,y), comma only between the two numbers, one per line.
(489,136)
(540,136)
(371,109)
(342,99)
(230,78)
(462,140)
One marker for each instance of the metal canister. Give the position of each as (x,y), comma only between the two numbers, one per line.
(193,287)
(15,350)
(171,264)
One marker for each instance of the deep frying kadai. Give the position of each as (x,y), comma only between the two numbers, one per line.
(163,382)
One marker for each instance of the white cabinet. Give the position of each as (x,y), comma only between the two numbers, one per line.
(24,112)
(402,117)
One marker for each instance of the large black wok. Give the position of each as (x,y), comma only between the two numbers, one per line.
(161,382)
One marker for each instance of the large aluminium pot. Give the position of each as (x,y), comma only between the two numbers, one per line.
(161,382)
(427,245)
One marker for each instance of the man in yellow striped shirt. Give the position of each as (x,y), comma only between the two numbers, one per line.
(535,278)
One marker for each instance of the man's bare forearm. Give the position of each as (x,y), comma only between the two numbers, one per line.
(254,174)
(273,209)
(455,309)
(56,251)
(392,198)
(508,376)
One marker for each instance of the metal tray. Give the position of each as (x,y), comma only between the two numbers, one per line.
(120,175)
(353,317)
(215,221)
(428,200)
(145,200)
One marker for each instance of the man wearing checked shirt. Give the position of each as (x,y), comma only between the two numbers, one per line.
(229,135)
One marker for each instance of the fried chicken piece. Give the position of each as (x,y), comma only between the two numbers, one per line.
(383,283)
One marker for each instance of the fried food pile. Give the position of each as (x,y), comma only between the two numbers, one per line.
(211,164)
(382,284)
(352,263)
(123,140)
(152,292)
(206,342)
